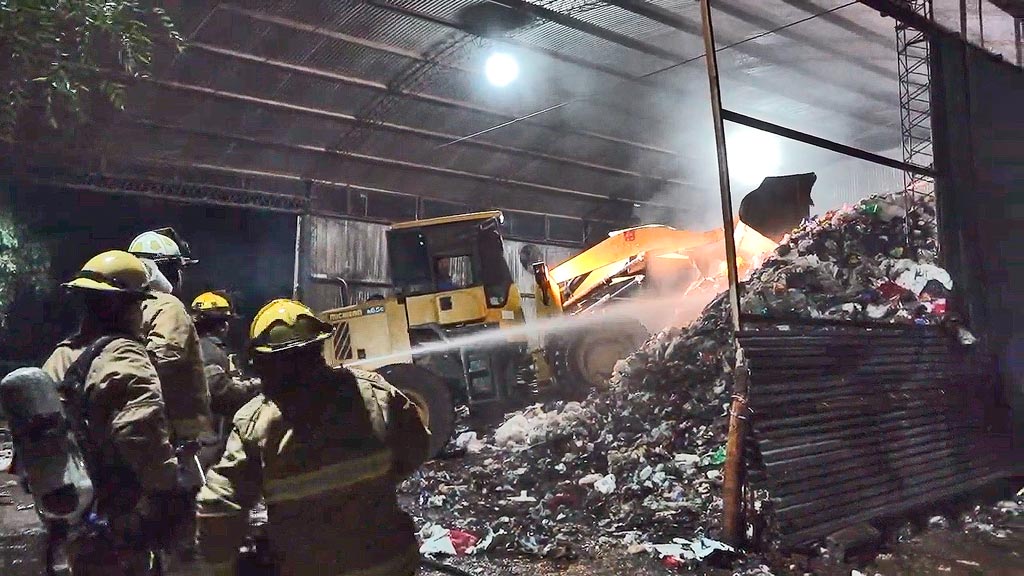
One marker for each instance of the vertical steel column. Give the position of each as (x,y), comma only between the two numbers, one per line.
(1018,39)
(963,19)
(299,257)
(732,483)
(723,162)
(981,22)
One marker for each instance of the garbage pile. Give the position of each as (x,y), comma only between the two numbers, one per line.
(639,463)
(856,264)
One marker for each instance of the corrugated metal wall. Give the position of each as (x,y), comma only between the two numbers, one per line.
(350,249)
(357,252)
(859,425)
(979,145)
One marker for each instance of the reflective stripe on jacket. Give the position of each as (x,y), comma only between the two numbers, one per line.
(173,344)
(328,472)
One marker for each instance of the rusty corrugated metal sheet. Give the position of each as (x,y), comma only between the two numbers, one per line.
(869,424)
(357,252)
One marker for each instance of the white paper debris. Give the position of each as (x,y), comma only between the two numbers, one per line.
(605,485)
(436,540)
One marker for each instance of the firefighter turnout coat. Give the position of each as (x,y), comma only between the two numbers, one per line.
(227,394)
(174,346)
(328,473)
(126,422)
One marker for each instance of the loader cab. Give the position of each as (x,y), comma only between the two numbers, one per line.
(452,276)
(455,265)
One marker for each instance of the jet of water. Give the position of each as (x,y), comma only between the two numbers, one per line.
(655,313)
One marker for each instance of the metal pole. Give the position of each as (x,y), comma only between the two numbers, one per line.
(733,520)
(723,163)
(981,22)
(297,273)
(1018,42)
(732,485)
(963,19)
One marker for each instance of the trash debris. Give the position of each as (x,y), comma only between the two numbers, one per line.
(462,541)
(605,485)
(697,549)
(469,442)
(642,456)
(436,539)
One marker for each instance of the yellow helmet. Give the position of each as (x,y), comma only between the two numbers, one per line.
(161,245)
(286,324)
(115,272)
(212,304)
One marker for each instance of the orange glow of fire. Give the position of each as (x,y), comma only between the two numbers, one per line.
(752,248)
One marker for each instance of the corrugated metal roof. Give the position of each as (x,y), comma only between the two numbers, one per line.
(369,94)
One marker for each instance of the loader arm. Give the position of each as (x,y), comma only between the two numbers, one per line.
(766,214)
(622,253)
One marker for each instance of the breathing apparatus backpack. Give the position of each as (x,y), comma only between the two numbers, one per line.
(53,451)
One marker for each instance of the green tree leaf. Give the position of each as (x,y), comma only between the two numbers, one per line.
(53,52)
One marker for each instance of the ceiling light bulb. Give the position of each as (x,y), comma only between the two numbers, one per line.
(501,69)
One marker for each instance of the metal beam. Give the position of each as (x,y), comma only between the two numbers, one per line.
(906,15)
(403,129)
(389,162)
(381,87)
(750,17)
(519,44)
(823,143)
(675,20)
(591,29)
(206,194)
(300,26)
(251,173)
(843,22)
(382,4)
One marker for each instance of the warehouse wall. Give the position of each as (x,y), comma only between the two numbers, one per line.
(356,251)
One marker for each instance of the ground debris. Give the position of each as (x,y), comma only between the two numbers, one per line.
(638,463)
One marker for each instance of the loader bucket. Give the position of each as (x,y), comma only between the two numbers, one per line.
(779,204)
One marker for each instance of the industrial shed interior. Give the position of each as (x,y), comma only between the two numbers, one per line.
(843,395)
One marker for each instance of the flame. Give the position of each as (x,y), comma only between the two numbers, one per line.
(752,248)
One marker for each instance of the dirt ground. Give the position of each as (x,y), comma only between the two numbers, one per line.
(934,553)
(995,549)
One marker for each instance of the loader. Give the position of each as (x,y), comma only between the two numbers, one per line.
(454,332)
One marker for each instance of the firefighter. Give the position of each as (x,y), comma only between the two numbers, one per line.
(173,344)
(326,449)
(171,336)
(212,312)
(134,471)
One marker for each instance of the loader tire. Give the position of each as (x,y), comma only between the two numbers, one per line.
(586,358)
(431,395)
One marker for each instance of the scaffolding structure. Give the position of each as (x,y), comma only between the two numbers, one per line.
(914,58)
(913,49)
